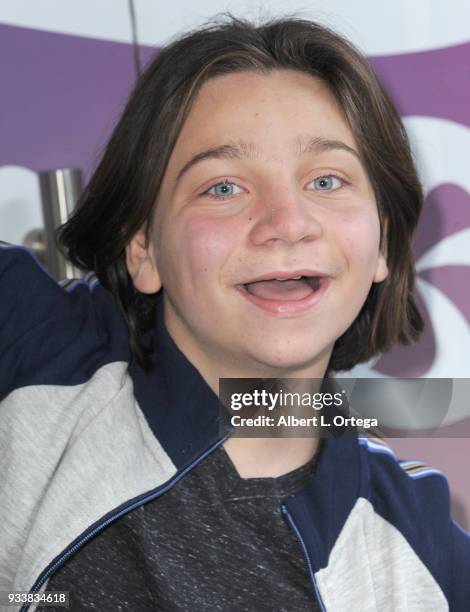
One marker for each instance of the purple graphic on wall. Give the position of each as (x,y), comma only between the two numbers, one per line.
(66,92)
(446,211)
(432,84)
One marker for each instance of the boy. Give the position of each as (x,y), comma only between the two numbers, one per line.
(251,217)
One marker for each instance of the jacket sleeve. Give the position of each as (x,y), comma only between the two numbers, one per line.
(460,569)
(63,366)
(415,499)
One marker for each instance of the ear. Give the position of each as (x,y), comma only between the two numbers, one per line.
(141,264)
(381,270)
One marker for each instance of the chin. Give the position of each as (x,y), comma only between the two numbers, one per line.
(291,361)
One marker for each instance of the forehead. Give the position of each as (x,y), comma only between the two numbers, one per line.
(278,109)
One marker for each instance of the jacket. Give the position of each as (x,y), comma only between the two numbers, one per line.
(87,436)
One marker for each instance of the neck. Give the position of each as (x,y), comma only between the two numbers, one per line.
(269,457)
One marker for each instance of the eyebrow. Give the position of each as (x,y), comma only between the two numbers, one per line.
(245,150)
(319,145)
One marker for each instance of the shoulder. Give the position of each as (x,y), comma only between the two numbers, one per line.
(53,333)
(392,479)
(410,494)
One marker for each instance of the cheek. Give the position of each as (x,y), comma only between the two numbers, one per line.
(198,247)
(359,239)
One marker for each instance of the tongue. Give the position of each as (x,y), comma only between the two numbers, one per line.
(280,290)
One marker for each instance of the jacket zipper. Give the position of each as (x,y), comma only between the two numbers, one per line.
(156,493)
(299,537)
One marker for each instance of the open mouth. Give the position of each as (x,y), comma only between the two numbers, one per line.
(296,288)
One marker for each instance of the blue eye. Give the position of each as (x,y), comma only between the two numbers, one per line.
(327,183)
(223,190)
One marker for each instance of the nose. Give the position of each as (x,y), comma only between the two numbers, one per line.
(285,216)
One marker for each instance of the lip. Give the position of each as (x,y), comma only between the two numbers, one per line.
(287,308)
(284,275)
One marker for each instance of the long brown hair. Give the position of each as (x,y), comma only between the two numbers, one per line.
(120,198)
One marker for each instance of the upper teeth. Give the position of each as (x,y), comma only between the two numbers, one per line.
(291,278)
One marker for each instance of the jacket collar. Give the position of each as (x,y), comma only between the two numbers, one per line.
(180,408)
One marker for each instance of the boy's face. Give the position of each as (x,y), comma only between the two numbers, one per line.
(263,183)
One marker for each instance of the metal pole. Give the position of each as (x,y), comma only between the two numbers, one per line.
(60,190)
